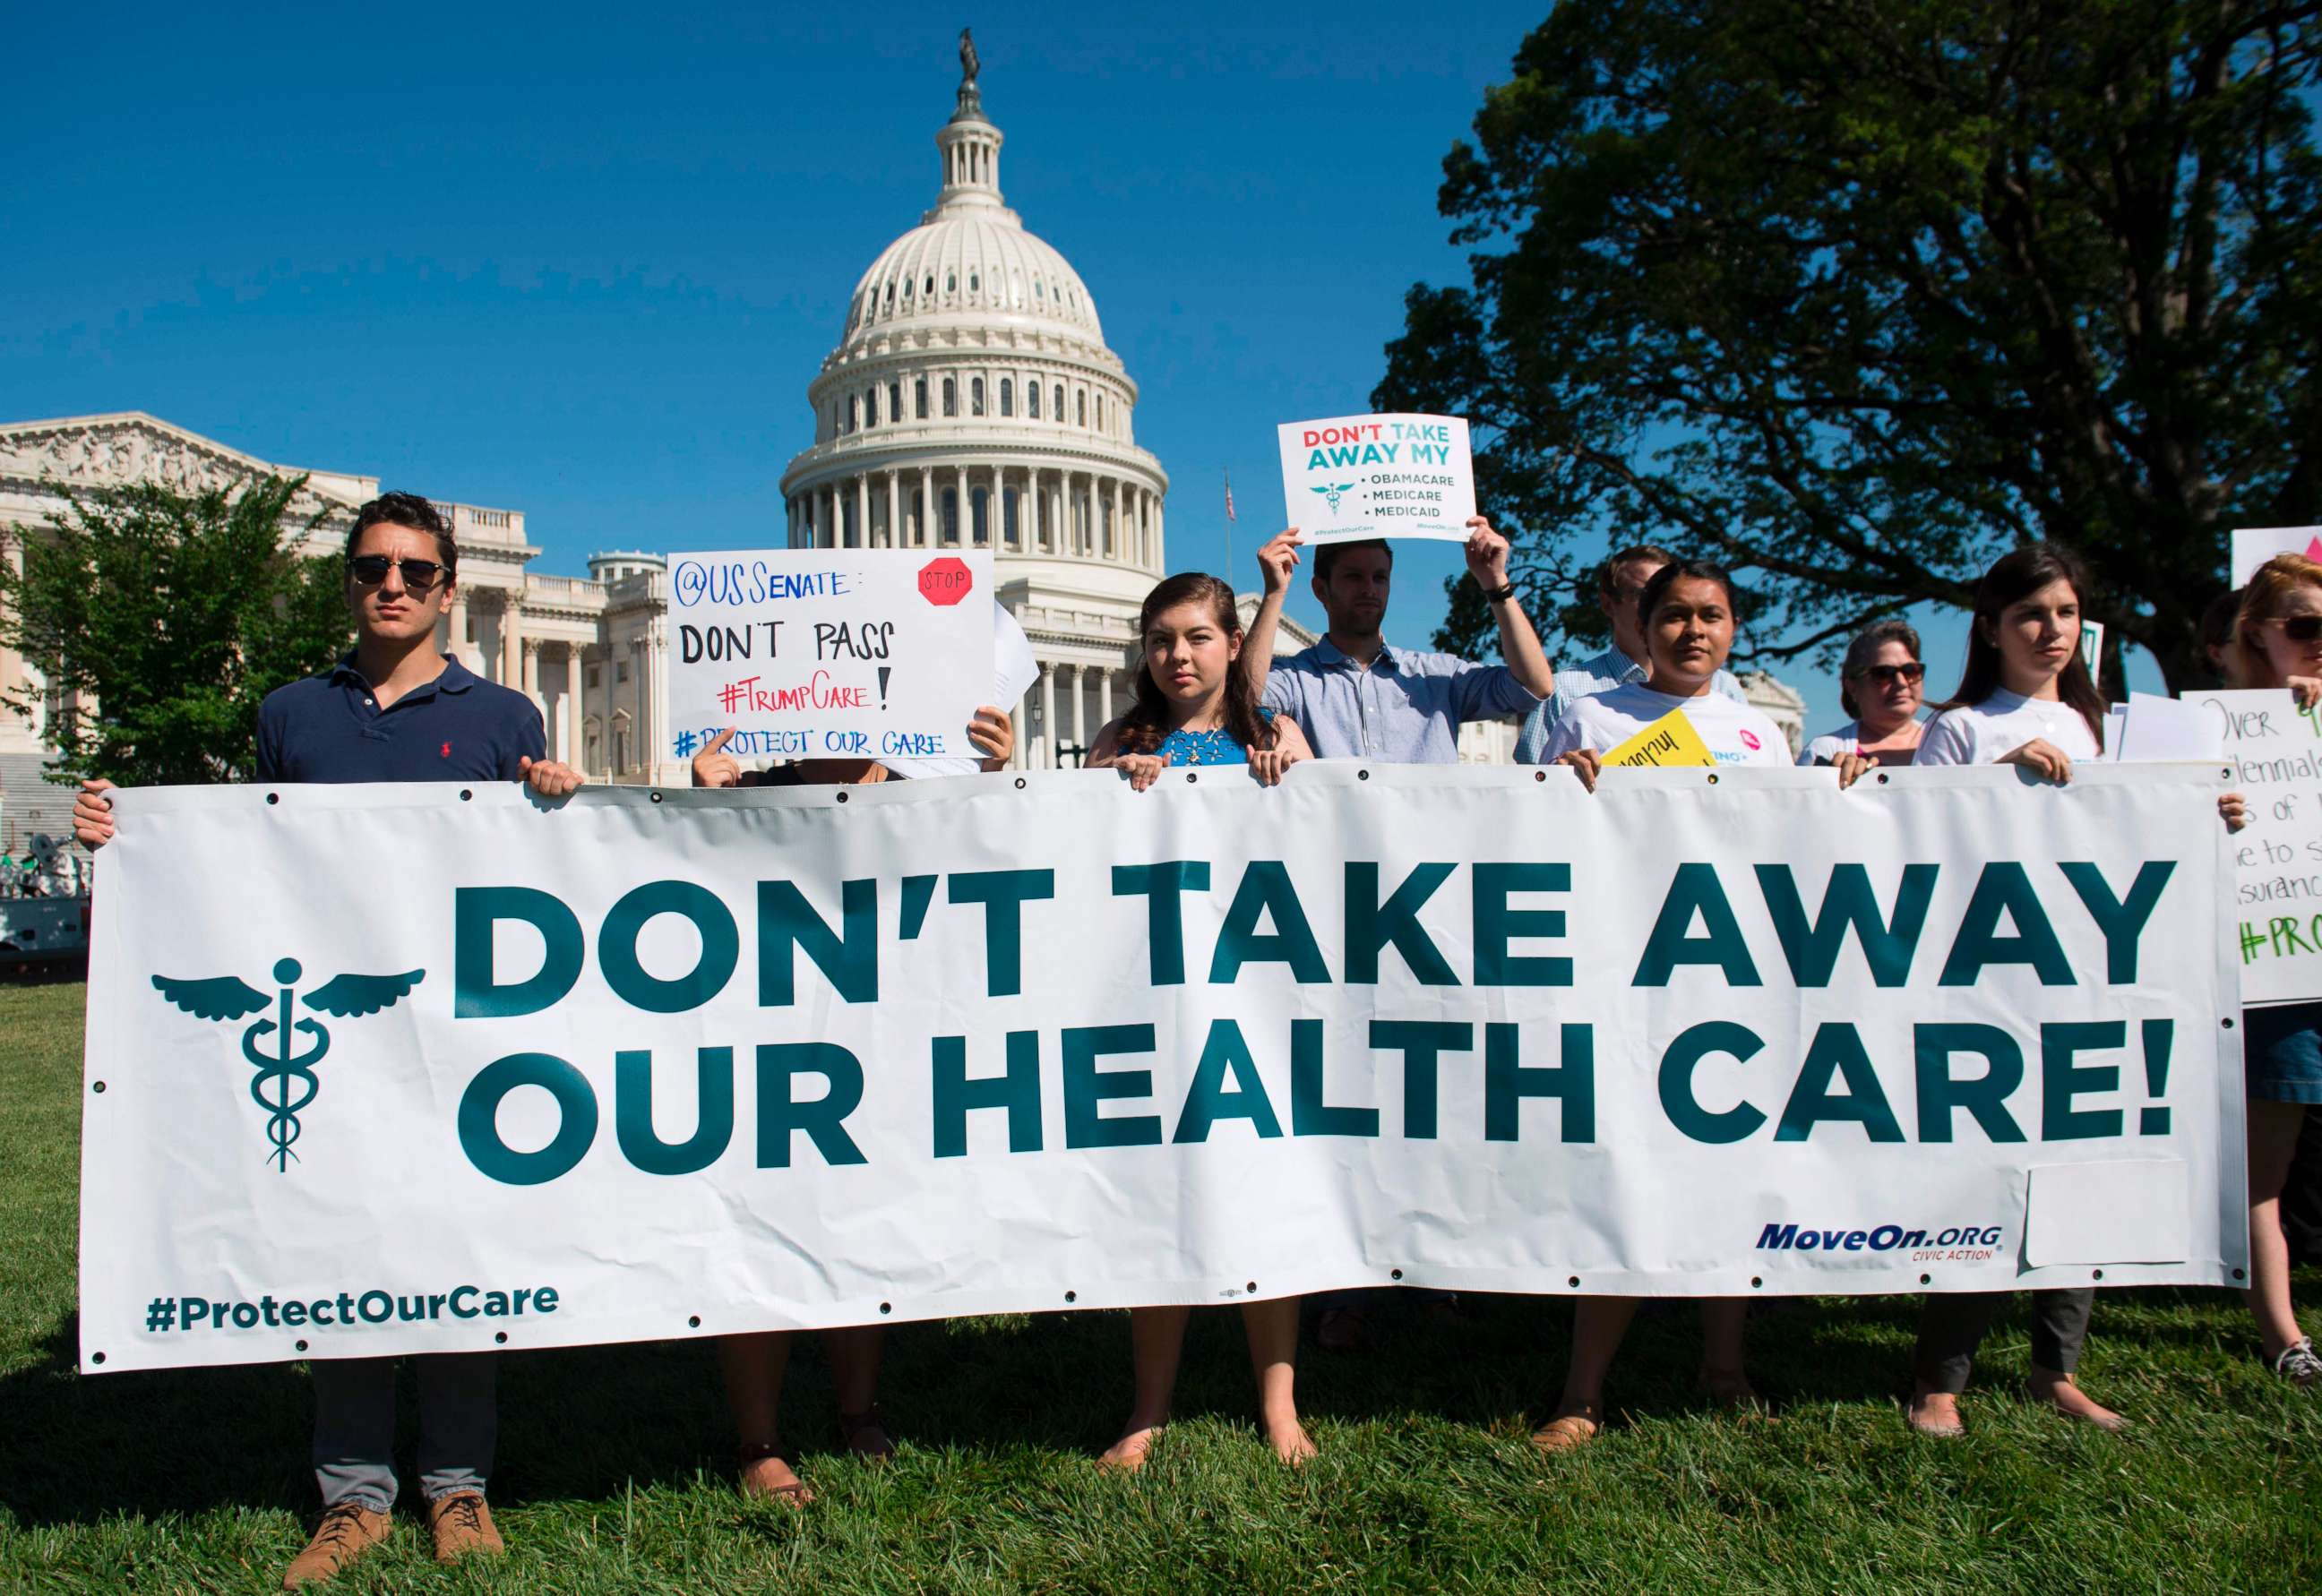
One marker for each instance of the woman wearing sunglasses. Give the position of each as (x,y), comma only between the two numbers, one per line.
(1881,685)
(2276,642)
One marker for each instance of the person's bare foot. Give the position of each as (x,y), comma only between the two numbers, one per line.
(2060,1393)
(1128,1453)
(1570,1429)
(1936,1413)
(767,1476)
(865,1434)
(1290,1440)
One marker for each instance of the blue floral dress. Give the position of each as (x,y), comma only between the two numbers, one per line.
(1205,748)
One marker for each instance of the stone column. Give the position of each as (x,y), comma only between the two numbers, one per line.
(862,511)
(1104,697)
(640,716)
(894,509)
(1021,756)
(511,639)
(455,626)
(1047,715)
(927,506)
(966,516)
(1080,709)
(1160,531)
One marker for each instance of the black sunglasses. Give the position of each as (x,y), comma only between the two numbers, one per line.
(2301,628)
(1883,674)
(418,575)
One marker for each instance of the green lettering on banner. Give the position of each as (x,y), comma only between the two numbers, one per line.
(1495,924)
(2121,921)
(848,958)
(1163,886)
(1848,904)
(1985,1098)
(1572,1081)
(1310,1115)
(2061,1080)
(823,1118)
(1207,1100)
(476,994)
(479,1111)
(1003,893)
(2003,888)
(1696,890)
(713,1126)
(616,946)
(1372,926)
(1837,1050)
(1086,1087)
(1685,1055)
(1422,1044)
(1265,892)
(1016,1089)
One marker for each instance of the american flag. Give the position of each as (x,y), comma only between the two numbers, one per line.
(1229,515)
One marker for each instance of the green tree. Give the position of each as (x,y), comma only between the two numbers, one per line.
(174,615)
(1855,295)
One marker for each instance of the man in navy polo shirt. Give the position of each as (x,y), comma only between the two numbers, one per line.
(393,710)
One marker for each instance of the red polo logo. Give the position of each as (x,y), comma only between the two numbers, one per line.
(446,751)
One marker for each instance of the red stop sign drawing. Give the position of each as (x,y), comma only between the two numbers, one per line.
(945,582)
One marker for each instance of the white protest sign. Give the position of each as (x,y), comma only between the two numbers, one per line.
(2254,545)
(1013,672)
(2153,727)
(2276,751)
(814,654)
(1352,477)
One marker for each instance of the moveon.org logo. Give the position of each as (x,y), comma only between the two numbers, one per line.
(1880,1238)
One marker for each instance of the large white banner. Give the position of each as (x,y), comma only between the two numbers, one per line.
(379,1068)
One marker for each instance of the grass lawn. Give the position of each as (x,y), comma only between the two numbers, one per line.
(613,1472)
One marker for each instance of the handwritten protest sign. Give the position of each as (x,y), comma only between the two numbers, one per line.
(1669,741)
(2276,751)
(816,653)
(1356,476)
(2254,545)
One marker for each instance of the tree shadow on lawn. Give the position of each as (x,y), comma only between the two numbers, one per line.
(586,1423)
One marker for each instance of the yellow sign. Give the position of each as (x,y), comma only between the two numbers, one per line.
(1669,741)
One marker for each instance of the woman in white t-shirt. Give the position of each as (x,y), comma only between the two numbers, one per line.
(1687,611)
(1880,686)
(2025,698)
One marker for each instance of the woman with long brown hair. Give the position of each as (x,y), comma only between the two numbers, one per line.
(1195,706)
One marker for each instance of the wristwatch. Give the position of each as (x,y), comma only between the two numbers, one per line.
(1504,591)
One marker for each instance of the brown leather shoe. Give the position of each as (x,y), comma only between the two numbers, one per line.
(347,1531)
(463,1526)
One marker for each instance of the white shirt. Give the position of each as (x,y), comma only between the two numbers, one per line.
(1987,733)
(1736,734)
(1825,748)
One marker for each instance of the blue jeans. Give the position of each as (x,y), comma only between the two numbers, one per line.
(355,1426)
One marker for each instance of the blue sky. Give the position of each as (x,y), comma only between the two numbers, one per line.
(583,261)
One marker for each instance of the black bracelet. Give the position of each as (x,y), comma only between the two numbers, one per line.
(1505,591)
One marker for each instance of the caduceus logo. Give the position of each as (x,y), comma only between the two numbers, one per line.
(1332,492)
(285,1083)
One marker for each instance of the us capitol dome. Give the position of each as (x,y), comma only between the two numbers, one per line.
(972,403)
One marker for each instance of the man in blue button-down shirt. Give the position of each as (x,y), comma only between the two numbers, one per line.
(394,709)
(1354,697)
(1620,584)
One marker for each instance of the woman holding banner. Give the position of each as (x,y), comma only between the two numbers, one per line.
(2276,642)
(1195,705)
(2025,698)
(1686,612)
(1880,686)
(754,1364)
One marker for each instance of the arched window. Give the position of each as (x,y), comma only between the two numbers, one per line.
(853,412)
(951,282)
(1080,408)
(976,395)
(1037,292)
(981,502)
(1032,400)
(871,408)
(950,515)
(931,282)
(951,398)
(1006,396)
(920,398)
(1059,410)
(974,282)
(1100,412)
(1009,528)
(894,401)
(890,296)
(907,289)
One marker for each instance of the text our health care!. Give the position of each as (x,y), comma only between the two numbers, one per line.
(817,654)
(1356,476)
(641,1065)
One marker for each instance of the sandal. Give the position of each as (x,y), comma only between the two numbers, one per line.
(1568,1434)
(865,1434)
(792,1493)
